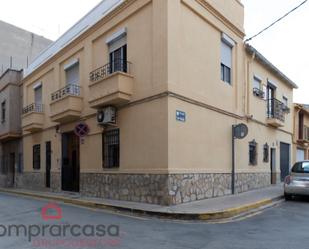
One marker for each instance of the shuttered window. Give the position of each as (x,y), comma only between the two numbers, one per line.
(38,95)
(226,62)
(72,74)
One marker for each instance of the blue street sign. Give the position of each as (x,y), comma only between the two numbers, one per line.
(180,116)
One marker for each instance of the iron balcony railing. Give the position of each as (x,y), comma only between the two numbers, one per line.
(34,107)
(276,109)
(110,68)
(68,90)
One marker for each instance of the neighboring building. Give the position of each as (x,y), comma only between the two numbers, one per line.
(301,132)
(18,47)
(10,127)
(179,76)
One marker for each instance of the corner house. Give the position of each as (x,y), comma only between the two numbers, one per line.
(137,101)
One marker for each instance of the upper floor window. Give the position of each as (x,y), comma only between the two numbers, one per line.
(3,111)
(117,47)
(285,101)
(226,58)
(38,94)
(72,73)
(258,87)
(257,82)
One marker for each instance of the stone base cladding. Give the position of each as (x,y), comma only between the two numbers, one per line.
(250,181)
(55,181)
(31,180)
(167,189)
(145,188)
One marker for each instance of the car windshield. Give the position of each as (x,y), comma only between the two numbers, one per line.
(301,167)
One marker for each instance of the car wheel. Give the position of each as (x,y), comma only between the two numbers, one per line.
(287,197)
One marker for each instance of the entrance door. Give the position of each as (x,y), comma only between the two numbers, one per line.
(11,171)
(70,162)
(284,160)
(48,162)
(273,166)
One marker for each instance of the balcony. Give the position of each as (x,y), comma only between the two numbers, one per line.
(276,111)
(66,104)
(111,84)
(33,117)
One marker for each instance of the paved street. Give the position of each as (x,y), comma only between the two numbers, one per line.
(283,227)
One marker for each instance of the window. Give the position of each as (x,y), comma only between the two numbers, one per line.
(266,153)
(111,149)
(285,100)
(257,83)
(3,111)
(72,73)
(37,156)
(226,60)
(38,98)
(253,153)
(117,47)
(301,167)
(118,60)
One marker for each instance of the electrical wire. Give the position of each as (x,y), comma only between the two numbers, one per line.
(275,22)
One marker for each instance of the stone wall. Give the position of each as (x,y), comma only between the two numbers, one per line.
(31,180)
(145,188)
(168,189)
(55,181)
(149,188)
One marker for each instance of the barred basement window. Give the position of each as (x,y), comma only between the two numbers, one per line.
(111,149)
(37,156)
(266,153)
(253,153)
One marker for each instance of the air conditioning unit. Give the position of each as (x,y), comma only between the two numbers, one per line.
(107,116)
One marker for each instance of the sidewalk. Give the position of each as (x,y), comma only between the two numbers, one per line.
(209,209)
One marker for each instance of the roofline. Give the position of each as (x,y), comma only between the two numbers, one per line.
(72,34)
(302,107)
(10,70)
(251,50)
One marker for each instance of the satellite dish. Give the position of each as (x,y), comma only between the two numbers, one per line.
(240,131)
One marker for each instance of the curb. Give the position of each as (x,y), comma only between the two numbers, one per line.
(209,216)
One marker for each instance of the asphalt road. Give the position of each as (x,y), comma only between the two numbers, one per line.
(285,226)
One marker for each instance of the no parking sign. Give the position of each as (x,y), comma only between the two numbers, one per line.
(81,130)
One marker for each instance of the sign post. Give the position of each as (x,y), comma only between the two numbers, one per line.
(239,131)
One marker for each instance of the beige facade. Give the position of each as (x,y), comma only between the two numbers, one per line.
(301,132)
(175,109)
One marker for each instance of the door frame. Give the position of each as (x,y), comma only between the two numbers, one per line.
(289,157)
(68,170)
(273,175)
(48,152)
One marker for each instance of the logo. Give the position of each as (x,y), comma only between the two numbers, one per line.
(51,211)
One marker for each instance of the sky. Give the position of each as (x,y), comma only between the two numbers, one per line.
(285,45)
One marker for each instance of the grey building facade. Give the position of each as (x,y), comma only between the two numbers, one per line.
(10,127)
(18,48)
